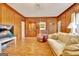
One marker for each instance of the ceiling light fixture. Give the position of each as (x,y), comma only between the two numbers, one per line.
(37,6)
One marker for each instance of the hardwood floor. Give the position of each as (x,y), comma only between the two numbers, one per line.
(28,47)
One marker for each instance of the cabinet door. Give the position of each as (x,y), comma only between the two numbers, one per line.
(32,30)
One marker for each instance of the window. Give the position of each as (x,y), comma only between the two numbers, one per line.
(74,25)
(77,22)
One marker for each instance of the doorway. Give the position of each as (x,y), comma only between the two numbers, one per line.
(59,26)
(23,29)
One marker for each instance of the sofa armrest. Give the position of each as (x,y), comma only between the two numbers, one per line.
(57,46)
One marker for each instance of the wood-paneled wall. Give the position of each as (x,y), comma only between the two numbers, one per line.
(66,17)
(48,20)
(9,16)
(0,12)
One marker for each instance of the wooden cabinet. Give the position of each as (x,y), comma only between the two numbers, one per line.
(31,28)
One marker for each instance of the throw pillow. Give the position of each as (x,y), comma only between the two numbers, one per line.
(64,38)
(73,40)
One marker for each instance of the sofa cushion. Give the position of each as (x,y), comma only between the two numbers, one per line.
(64,37)
(70,53)
(53,36)
(73,47)
(73,40)
(71,50)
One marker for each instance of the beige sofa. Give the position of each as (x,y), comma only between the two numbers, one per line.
(64,44)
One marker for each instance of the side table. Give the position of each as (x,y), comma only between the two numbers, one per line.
(45,37)
(42,37)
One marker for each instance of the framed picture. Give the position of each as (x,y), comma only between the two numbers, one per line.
(42,25)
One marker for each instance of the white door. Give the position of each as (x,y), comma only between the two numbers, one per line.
(23,29)
(59,26)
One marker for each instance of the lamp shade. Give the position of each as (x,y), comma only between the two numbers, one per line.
(72,25)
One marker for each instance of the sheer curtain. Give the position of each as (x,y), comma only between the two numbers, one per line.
(74,25)
(77,22)
(74,21)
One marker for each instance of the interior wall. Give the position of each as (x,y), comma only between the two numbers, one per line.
(48,20)
(66,17)
(9,16)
